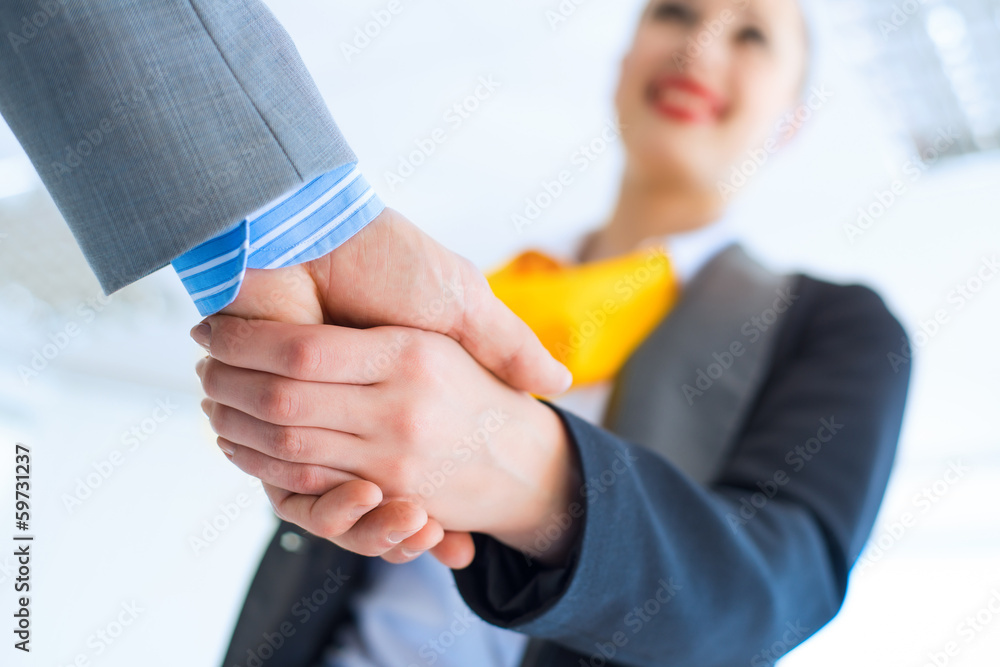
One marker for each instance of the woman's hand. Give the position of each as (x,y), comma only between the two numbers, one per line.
(308,409)
(291,295)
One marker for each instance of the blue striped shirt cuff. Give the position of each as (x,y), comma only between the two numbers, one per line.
(293,229)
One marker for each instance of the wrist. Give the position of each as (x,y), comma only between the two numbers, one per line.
(546,520)
(285,294)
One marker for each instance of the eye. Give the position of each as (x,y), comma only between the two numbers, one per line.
(751,34)
(674,11)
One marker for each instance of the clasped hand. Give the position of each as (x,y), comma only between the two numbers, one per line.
(336,421)
(403,436)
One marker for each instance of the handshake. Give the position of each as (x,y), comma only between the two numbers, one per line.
(380,393)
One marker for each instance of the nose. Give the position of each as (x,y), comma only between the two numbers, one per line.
(706,53)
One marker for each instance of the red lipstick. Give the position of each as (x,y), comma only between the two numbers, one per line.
(682,98)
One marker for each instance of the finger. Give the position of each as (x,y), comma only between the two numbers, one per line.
(456,550)
(319,353)
(286,402)
(374,534)
(343,506)
(298,444)
(412,547)
(304,478)
(504,344)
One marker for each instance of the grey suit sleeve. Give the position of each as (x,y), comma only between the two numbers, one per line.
(158,125)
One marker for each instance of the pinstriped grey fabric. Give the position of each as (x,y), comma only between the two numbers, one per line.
(158,125)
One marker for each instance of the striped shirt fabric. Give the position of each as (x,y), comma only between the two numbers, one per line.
(292,229)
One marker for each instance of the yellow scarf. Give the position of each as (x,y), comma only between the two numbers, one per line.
(591,316)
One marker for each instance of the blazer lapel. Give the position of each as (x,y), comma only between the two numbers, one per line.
(686,390)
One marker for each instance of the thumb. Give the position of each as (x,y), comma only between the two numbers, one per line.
(504,344)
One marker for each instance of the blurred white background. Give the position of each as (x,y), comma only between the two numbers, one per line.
(116,529)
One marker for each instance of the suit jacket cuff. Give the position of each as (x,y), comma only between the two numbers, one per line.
(509,588)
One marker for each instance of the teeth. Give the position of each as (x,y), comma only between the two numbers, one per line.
(683,98)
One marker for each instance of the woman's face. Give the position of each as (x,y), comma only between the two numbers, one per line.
(705,82)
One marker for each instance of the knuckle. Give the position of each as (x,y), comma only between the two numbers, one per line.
(410,423)
(278,402)
(305,479)
(330,527)
(303,356)
(422,358)
(287,443)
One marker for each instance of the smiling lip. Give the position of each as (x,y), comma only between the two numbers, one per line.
(684,99)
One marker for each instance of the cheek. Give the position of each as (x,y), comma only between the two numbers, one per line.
(762,99)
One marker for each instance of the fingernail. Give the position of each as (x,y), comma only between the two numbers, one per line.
(567,380)
(204,407)
(202,334)
(200,365)
(361,510)
(227,450)
(397,537)
(408,553)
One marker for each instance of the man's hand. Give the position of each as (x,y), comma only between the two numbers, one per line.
(391,273)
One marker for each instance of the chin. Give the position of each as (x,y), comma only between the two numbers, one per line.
(671,159)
